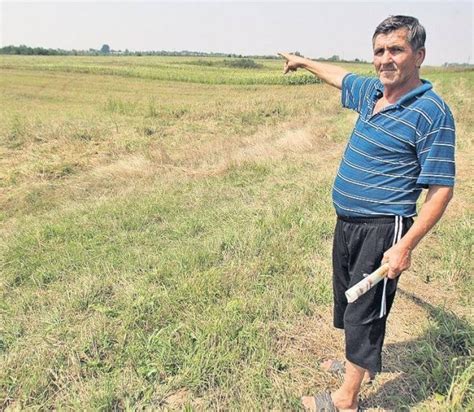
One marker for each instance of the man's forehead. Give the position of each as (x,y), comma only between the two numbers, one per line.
(391,38)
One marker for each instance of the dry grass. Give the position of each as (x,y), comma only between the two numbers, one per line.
(168,244)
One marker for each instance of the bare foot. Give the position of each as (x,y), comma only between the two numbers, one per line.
(344,403)
(308,403)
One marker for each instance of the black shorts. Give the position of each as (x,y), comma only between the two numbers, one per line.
(359,245)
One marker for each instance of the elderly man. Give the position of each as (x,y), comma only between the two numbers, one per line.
(403,141)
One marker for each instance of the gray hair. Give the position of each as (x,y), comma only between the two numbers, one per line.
(416,32)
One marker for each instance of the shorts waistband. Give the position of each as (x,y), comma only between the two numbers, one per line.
(367,219)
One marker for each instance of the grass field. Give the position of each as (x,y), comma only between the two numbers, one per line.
(166,228)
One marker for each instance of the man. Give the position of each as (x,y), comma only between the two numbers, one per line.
(403,141)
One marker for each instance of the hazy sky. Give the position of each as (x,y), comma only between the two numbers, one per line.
(315,28)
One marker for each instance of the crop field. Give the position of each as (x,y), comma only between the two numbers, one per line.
(165,241)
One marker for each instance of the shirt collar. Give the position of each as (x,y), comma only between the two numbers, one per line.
(425,86)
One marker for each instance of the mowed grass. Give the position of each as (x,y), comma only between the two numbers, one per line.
(161,239)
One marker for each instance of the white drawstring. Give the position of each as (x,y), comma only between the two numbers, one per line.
(397,235)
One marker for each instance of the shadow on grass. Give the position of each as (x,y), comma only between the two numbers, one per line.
(436,366)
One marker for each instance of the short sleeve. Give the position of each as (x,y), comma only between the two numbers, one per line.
(354,90)
(436,152)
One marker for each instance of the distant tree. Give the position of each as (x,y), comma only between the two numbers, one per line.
(334,58)
(105,49)
(243,63)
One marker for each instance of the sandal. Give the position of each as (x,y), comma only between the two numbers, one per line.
(338,368)
(323,403)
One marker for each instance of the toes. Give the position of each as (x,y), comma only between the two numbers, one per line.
(308,403)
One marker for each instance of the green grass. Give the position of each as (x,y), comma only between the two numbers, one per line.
(166,223)
(216,71)
(194,290)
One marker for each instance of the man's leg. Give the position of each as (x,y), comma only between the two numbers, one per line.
(347,396)
(363,323)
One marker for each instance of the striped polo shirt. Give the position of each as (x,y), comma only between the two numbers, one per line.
(395,153)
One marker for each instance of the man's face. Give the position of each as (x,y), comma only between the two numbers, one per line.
(395,61)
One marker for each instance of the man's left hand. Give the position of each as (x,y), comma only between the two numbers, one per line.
(398,259)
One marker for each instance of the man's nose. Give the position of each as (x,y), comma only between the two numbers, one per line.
(386,57)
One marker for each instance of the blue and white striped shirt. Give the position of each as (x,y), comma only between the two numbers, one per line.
(395,153)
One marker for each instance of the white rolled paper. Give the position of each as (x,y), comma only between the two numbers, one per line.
(353,293)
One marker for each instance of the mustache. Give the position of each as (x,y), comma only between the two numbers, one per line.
(387,67)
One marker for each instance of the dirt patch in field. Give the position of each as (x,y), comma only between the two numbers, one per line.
(124,169)
(266,145)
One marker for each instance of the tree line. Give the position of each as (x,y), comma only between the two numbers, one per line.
(106,50)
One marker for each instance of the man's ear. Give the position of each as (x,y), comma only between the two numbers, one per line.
(420,56)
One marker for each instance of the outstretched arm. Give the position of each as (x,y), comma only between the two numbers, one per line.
(399,256)
(329,73)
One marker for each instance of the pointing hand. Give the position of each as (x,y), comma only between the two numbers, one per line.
(292,62)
